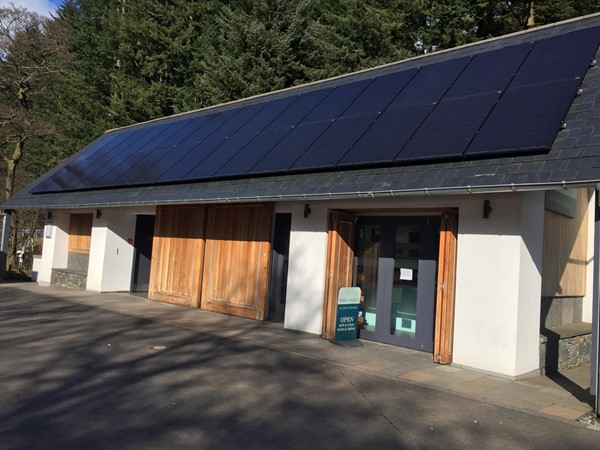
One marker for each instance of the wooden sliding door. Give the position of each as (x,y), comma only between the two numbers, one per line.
(177,255)
(237,259)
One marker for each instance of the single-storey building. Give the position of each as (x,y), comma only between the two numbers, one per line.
(455,189)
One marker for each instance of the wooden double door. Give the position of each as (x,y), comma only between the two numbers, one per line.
(216,257)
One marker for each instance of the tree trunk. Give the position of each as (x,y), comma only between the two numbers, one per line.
(11,169)
(9,188)
(11,256)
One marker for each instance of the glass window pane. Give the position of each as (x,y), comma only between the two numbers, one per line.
(367,253)
(404,292)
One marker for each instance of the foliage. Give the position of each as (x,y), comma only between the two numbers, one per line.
(140,60)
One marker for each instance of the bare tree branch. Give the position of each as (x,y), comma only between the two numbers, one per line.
(29,55)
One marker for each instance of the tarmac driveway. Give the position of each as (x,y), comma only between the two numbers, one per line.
(75,376)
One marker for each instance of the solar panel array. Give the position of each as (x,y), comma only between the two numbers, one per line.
(504,101)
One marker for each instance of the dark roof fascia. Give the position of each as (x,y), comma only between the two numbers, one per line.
(129,197)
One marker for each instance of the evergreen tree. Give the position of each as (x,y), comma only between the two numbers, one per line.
(136,60)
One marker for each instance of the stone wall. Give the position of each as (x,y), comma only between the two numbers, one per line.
(74,275)
(68,278)
(565,353)
(565,341)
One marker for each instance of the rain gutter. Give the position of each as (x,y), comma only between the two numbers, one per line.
(380,193)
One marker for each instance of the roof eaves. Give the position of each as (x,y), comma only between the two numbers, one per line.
(383,193)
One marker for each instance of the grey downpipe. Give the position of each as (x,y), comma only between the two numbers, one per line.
(595,372)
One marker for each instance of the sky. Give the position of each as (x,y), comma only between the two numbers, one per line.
(42,7)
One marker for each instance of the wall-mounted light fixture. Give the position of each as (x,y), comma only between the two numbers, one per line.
(48,226)
(487,209)
(307,210)
(98,214)
(48,230)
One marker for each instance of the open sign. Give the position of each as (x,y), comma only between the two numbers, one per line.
(347,314)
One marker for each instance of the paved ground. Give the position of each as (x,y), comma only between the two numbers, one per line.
(79,370)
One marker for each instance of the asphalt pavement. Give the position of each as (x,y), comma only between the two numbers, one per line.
(81,370)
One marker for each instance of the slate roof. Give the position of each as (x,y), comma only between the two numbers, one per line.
(573,160)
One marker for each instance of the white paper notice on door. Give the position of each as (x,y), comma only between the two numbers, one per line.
(406,274)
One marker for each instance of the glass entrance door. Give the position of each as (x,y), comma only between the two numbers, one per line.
(396,269)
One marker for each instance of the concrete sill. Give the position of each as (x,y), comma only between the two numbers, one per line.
(565,331)
(74,272)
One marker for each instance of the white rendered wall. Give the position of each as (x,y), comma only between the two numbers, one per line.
(306,270)
(586,313)
(97,254)
(530,284)
(111,255)
(498,286)
(54,248)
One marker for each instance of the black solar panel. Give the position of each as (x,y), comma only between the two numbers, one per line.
(123,141)
(201,128)
(265,116)
(505,100)
(561,57)
(65,175)
(202,132)
(164,157)
(449,128)
(283,155)
(323,109)
(149,168)
(430,84)
(298,110)
(123,168)
(387,136)
(331,146)
(179,170)
(336,102)
(140,166)
(205,127)
(378,95)
(490,71)
(242,162)
(525,119)
(240,119)
(213,162)
(152,137)
(99,145)
(153,163)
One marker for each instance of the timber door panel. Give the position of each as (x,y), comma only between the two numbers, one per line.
(444,320)
(237,260)
(177,255)
(340,264)
(80,233)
